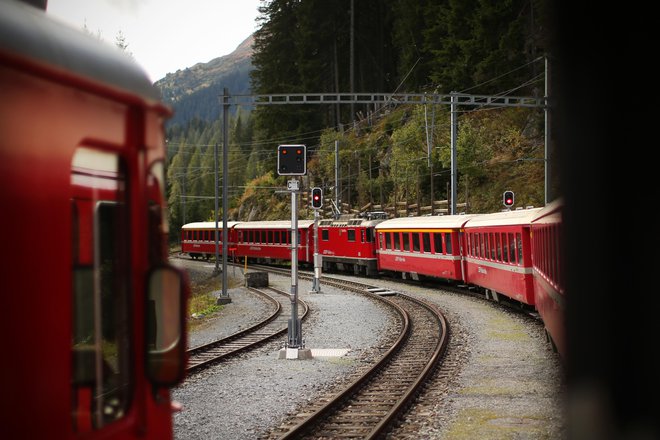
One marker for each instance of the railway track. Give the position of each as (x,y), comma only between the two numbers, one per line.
(370,405)
(271,327)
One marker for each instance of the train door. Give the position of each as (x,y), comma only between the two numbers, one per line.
(101,342)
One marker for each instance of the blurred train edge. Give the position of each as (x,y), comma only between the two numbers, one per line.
(605,127)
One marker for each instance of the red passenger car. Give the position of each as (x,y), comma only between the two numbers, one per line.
(94,328)
(349,245)
(498,254)
(547,253)
(428,246)
(270,241)
(198,239)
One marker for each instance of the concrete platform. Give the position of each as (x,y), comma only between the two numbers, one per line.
(329,352)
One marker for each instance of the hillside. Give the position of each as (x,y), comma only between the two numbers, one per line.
(193,92)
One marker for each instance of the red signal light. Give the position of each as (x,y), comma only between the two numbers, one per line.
(509,198)
(317,198)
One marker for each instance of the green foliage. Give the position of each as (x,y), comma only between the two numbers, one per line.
(408,45)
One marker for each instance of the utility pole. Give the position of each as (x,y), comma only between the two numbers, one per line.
(352,61)
(337,201)
(224,297)
(454,138)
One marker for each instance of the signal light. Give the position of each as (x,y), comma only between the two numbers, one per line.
(291,160)
(508,198)
(317,198)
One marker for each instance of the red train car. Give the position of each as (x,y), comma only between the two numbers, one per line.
(429,246)
(498,254)
(549,293)
(270,241)
(93,316)
(349,245)
(198,239)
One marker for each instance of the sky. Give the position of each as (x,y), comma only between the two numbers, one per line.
(164,35)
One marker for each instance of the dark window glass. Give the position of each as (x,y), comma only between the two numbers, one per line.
(426,241)
(437,242)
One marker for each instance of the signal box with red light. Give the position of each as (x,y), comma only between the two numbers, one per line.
(292,160)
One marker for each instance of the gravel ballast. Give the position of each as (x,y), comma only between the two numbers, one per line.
(505,383)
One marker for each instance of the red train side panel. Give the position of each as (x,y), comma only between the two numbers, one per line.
(428,246)
(547,252)
(198,239)
(81,162)
(271,240)
(348,245)
(498,254)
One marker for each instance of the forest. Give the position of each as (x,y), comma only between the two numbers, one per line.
(387,155)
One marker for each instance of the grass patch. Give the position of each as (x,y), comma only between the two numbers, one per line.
(203,303)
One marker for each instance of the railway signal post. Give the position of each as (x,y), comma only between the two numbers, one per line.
(508,199)
(317,203)
(291,162)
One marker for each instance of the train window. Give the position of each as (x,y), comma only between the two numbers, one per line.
(512,248)
(437,241)
(519,246)
(406,241)
(498,247)
(491,244)
(426,241)
(369,235)
(388,240)
(415,236)
(325,235)
(269,237)
(505,252)
(486,248)
(351,235)
(101,375)
(397,244)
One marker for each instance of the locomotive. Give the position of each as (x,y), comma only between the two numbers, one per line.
(511,254)
(95,314)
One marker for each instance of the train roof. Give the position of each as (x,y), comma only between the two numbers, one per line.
(274,224)
(504,218)
(35,39)
(207,225)
(551,212)
(442,221)
(362,222)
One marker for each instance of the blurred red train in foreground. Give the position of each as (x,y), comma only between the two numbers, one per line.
(512,254)
(94,322)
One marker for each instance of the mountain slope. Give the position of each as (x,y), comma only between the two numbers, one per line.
(194,91)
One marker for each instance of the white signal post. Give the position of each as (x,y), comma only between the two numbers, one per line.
(317,202)
(295,325)
(291,161)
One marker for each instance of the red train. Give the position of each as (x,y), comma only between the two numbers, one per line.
(427,246)
(498,254)
(511,254)
(94,319)
(549,293)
